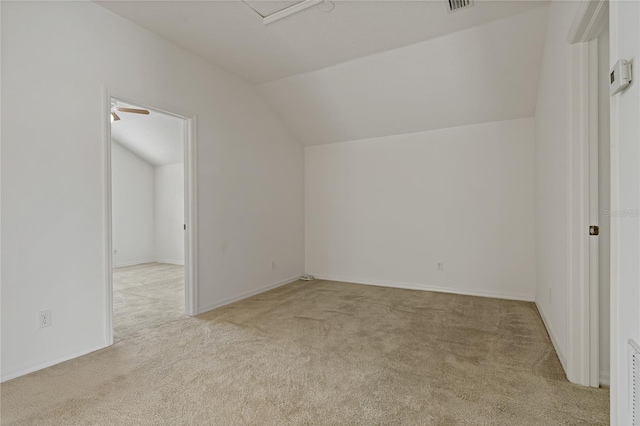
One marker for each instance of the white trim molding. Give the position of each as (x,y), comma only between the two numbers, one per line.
(107,224)
(191,213)
(587,22)
(246,295)
(142,262)
(133,263)
(554,339)
(582,356)
(170,262)
(426,287)
(54,359)
(579,302)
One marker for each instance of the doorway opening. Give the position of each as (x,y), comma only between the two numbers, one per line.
(151,217)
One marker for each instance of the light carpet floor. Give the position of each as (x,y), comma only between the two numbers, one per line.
(146,296)
(320,353)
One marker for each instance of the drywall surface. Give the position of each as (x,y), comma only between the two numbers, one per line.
(57,58)
(133,183)
(551,177)
(169,214)
(232,35)
(604,195)
(388,210)
(624,27)
(482,74)
(148,210)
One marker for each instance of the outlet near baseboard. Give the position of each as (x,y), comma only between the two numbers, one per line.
(44,318)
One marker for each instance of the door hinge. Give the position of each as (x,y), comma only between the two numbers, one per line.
(594,230)
(185,227)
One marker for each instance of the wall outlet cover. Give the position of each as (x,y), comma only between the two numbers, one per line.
(44,318)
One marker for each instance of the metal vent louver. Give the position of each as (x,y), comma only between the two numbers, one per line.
(634,360)
(455,5)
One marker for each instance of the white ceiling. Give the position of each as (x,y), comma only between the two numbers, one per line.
(482,74)
(156,138)
(231,34)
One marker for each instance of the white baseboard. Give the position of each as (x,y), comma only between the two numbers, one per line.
(48,361)
(142,262)
(605,380)
(133,262)
(554,339)
(229,300)
(424,287)
(170,262)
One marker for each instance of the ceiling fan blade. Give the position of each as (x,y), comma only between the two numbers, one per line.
(133,110)
(115,116)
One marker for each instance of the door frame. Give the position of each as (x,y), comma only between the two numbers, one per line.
(190,202)
(583,317)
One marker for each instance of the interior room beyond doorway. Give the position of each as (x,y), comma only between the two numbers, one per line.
(147,168)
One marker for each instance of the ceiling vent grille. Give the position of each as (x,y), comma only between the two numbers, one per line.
(455,5)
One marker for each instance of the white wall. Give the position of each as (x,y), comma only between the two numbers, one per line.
(133,183)
(148,210)
(387,210)
(551,176)
(250,173)
(604,184)
(624,27)
(169,213)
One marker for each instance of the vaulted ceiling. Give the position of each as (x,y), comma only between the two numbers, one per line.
(157,138)
(231,34)
(368,68)
(486,73)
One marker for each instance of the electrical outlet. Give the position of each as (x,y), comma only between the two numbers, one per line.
(115,252)
(44,318)
(440,266)
(273,264)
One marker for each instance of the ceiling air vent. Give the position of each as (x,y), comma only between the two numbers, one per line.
(455,5)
